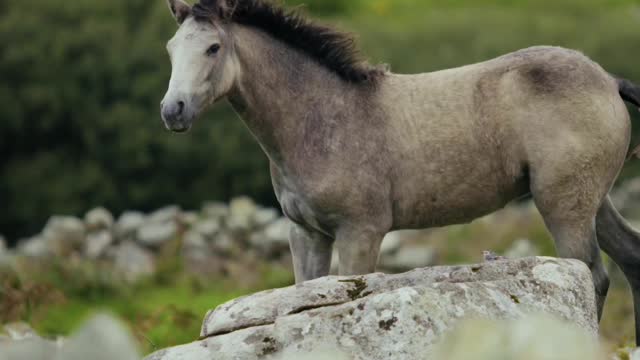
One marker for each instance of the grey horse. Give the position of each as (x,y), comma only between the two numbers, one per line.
(357,151)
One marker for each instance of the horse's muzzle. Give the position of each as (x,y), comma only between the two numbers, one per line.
(176,117)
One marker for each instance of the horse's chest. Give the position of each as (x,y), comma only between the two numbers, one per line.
(304,203)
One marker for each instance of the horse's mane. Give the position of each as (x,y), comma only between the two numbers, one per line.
(331,48)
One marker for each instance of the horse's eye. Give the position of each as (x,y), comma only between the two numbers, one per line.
(213,49)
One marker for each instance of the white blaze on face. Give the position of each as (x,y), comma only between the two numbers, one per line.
(200,73)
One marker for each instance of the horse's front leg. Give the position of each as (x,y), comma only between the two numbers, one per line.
(358,250)
(311,253)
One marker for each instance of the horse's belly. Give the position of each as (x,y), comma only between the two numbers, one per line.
(446,199)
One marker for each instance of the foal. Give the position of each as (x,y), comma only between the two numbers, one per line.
(357,151)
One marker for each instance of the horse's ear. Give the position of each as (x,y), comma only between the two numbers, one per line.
(179,9)
(226,8)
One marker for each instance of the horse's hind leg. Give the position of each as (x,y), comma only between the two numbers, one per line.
(569,213)
(622,243)
(576,239)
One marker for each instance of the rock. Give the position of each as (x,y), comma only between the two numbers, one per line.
(63,234)
(215,210)
(30,349)
(202,262)
(154,234)
(626,198)
(189,218)
(626,353)
(409,256)
(264,217)
(20,331)
(320,353)
(373,316)
(97,244)
(207,228)
(274,240)
(33,247)
(223,243)
(193,240)
(133,261)
(278,232)
(538,337)
(522,248)
(391,243)
(406,250)
(161,226)
(3,245)
(241,214)
(98,219)
(165,215)
(128,224)
(102,338)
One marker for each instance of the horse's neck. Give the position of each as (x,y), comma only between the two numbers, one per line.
(281,94)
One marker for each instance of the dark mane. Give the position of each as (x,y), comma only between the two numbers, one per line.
(335,50)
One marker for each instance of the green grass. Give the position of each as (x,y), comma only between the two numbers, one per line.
(158,316)
(162,311)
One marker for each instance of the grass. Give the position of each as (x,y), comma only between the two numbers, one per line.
(161,311)
(158,316)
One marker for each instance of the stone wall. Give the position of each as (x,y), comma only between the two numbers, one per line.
(219,239)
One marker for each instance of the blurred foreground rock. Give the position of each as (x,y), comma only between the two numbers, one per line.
(399,316)
(538,337)
(102,338)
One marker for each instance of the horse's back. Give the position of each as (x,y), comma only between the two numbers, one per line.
(467,138)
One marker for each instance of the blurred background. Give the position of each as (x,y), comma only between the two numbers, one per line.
(80,87)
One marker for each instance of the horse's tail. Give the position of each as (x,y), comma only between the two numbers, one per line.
(629,91)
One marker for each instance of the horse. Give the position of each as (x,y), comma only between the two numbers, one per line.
(357,151)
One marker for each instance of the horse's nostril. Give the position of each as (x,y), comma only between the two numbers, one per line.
(181,106)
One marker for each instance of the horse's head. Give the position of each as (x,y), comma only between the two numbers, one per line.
(203,61)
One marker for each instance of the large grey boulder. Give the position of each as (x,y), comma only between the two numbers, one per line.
(399,316)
